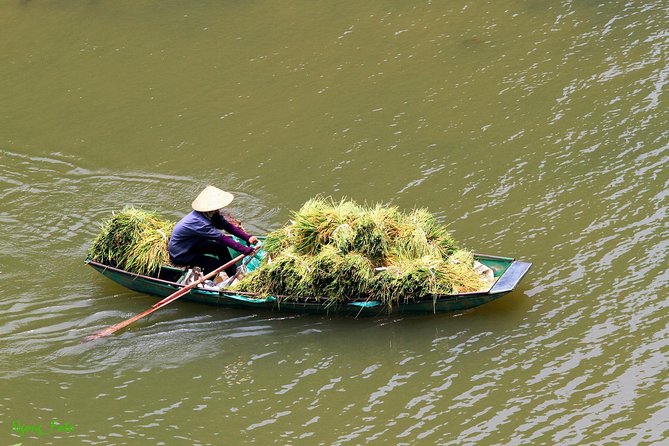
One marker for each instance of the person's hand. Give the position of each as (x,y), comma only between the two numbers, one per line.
(253,240)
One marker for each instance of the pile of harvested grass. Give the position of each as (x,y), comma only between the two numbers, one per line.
(133,240)
(343,251)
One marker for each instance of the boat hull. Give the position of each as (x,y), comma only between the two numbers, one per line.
(508,274)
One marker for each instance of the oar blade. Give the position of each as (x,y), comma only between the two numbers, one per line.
(121,325)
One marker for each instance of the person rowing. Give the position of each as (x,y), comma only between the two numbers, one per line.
(197,240)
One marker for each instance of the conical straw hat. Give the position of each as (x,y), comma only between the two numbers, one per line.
(211,199)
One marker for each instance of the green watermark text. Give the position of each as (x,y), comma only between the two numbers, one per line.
(56,426)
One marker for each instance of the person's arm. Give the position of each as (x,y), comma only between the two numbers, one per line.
(230,242)
(221,223)
(210,229)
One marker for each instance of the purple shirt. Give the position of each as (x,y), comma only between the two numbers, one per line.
(195,228)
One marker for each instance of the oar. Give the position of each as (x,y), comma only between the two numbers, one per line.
(231,280)
(169,299)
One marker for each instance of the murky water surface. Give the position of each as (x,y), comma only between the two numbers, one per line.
(536,129)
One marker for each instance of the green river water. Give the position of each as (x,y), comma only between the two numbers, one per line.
(536,129)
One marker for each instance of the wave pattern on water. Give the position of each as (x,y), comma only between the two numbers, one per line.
(46,245)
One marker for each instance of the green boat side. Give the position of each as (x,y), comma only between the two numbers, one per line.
(508,273)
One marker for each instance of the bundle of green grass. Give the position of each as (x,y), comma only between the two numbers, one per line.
(133,240)
(342,251)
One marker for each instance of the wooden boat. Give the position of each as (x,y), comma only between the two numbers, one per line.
(508,273)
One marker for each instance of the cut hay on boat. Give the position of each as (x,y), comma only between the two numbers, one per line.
(342,251)
(133,240)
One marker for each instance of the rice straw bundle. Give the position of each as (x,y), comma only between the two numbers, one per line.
(312,226)
(276,242)
(369,238)
(350,275)
(133,240)
(343,251)
(459,275)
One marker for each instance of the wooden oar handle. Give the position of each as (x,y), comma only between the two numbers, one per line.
(246,262)
(209,275)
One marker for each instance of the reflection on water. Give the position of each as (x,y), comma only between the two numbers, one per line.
(535,130)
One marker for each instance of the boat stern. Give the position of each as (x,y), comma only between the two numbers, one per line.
(511,277)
